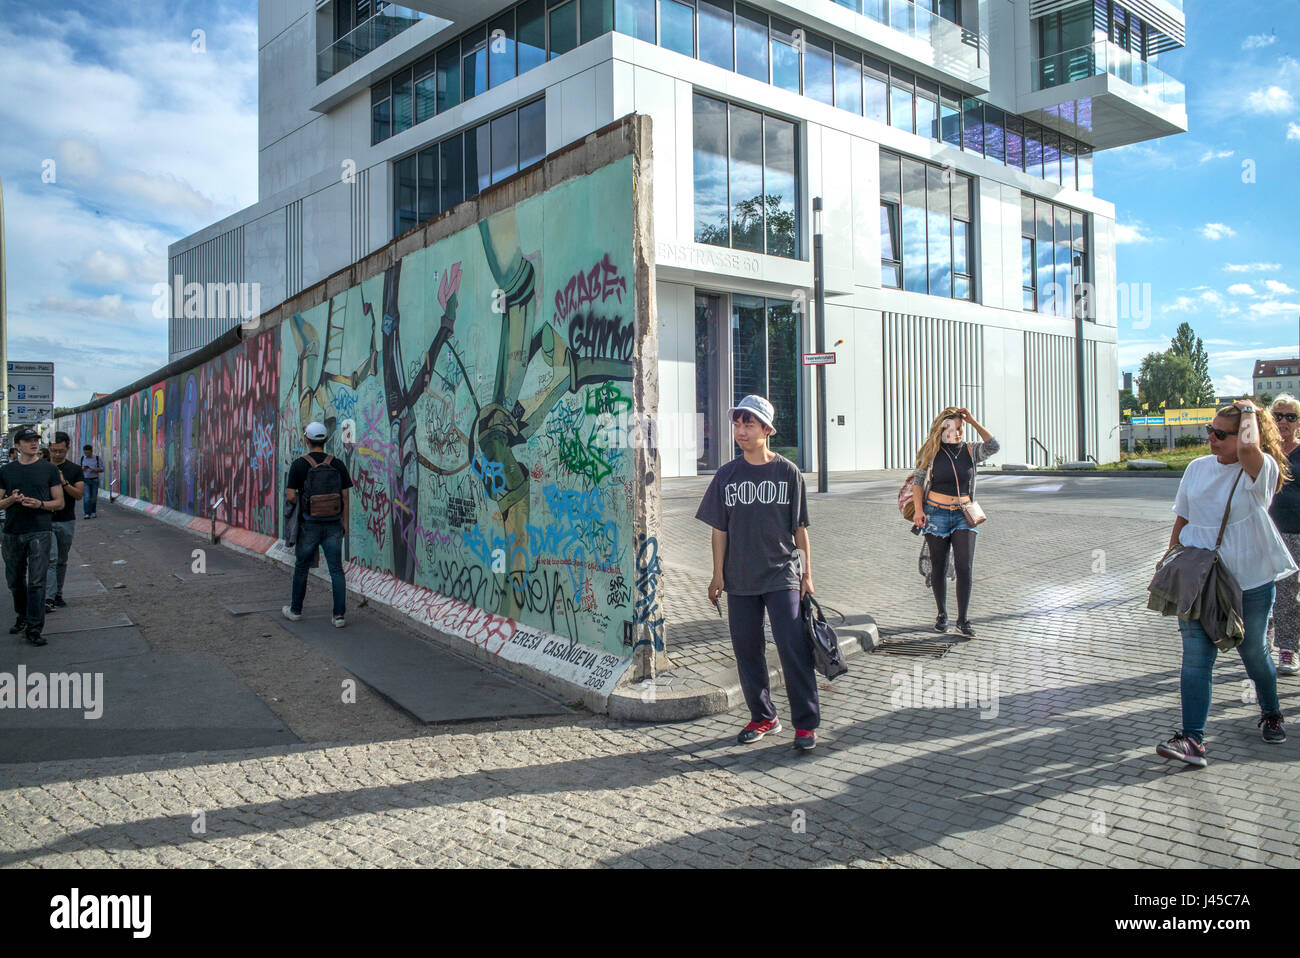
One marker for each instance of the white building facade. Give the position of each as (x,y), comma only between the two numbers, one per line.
(967,259)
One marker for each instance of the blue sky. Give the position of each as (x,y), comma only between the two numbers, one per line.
(123,133)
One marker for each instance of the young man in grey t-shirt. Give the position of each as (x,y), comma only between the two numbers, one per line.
(762,559)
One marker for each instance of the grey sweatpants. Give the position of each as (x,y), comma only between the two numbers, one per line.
(1286,608)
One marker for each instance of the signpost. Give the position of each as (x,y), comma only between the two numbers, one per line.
(30,392)
(819,359)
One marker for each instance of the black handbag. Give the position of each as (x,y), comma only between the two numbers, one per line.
(827,657)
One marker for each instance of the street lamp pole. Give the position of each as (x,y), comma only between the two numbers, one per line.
(4,326)
(819,297)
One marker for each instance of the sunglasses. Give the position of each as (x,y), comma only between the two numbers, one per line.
(1221,434)
(1288,416)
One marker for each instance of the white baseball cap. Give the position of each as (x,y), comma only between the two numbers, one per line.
(758,407)
(316,431)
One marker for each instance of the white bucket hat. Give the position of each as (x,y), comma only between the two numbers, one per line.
(758,407)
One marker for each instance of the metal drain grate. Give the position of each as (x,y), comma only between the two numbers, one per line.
(916,648)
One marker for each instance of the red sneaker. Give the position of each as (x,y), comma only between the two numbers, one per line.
(805,739)
(756,730)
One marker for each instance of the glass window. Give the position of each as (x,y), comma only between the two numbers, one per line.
(505,146)
(532,133)
(961,260)
(1064,286)
(848,80)
(451,173)
(402,102)
(746,172)
(478,159)
(785,58)
(1033,150)
(1067,162)
(716,40)
(938,220)
(563,21)
(749,343)
(875,89)
(783,367)
(1015,143)
(973,126)
(427,205)
(818,81)
(531,45)
(597,18)
(927,116)
(710,173)
(426,89)
(995,143)
(780,188)
(474,64)
(449,76)
(1045,265)
(890,189)
(677,27)
(751,42)
(501,49)
(381,113)
(404,186)
(636,18)
(1084,168)
(900,101)
(915,272)
(891,246)
(1027,272)
(950,118)
(1052,157)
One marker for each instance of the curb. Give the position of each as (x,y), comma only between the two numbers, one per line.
(1087,472)
(722,693)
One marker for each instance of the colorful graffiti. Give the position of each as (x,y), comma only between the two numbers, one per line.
(478,391)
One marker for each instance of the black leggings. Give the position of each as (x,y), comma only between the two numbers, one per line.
(963,550)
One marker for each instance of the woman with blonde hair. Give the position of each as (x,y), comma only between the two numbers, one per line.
(943,482)
(1245,469)
(1285,513)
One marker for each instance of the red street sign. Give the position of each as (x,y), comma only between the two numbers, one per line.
(819,359)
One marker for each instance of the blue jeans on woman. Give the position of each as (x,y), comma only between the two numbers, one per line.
(1199,654)
(329,537)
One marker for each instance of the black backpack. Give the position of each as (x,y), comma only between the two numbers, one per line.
(827,657)
(323,490)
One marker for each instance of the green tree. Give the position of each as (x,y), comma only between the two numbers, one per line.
(1129,403)
(1187,344)
(1166,378)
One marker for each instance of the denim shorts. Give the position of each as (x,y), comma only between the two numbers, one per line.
(944,522)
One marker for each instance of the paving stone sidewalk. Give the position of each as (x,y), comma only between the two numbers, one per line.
(1050,762)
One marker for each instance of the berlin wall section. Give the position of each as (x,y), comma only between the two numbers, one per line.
(490,380)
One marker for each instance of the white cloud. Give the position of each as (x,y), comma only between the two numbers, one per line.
(1274,308)
(1130,233)
(1293,131)
(108,307)
(69,382)
(1208,301)
(1252,267)
(1258,41)
(1209,155)
(1242,289)
(1231,386)
(165,192)
(1273,99)
(1278,288)
(1217,231)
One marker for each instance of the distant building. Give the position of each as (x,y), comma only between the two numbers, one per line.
(1275,376)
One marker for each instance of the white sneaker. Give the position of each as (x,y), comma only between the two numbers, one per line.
(289,614)
(338,621)
(1287,663)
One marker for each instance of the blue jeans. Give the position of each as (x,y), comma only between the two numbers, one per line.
(1199,654)
(90,498)
(329,537)
(27,560)
(60,545)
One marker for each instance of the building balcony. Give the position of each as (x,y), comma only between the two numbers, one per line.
(389,21)
(1105,96)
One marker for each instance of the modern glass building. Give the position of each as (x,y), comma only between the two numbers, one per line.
(969,257)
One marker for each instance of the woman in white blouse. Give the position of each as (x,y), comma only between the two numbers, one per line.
(1245,450)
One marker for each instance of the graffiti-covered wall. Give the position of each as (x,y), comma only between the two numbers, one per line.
(202,435)
(488,380)
(476,391)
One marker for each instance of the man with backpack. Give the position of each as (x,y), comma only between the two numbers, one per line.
(318,484)
(92,467)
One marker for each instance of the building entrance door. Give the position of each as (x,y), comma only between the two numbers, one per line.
(710,382)
(765,340)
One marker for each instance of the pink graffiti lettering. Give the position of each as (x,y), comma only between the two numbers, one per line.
(595,285)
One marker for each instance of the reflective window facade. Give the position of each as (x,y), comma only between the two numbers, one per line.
(442,174)
(765,343)
(738,37)
(746,178)
(927,230)
(1055,264)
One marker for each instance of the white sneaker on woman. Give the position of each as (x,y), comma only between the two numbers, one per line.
(1288,663)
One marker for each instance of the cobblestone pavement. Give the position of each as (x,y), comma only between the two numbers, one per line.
(1052,763)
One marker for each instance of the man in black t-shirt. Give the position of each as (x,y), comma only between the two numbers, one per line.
(63,522)
(322,502)
(31,489)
